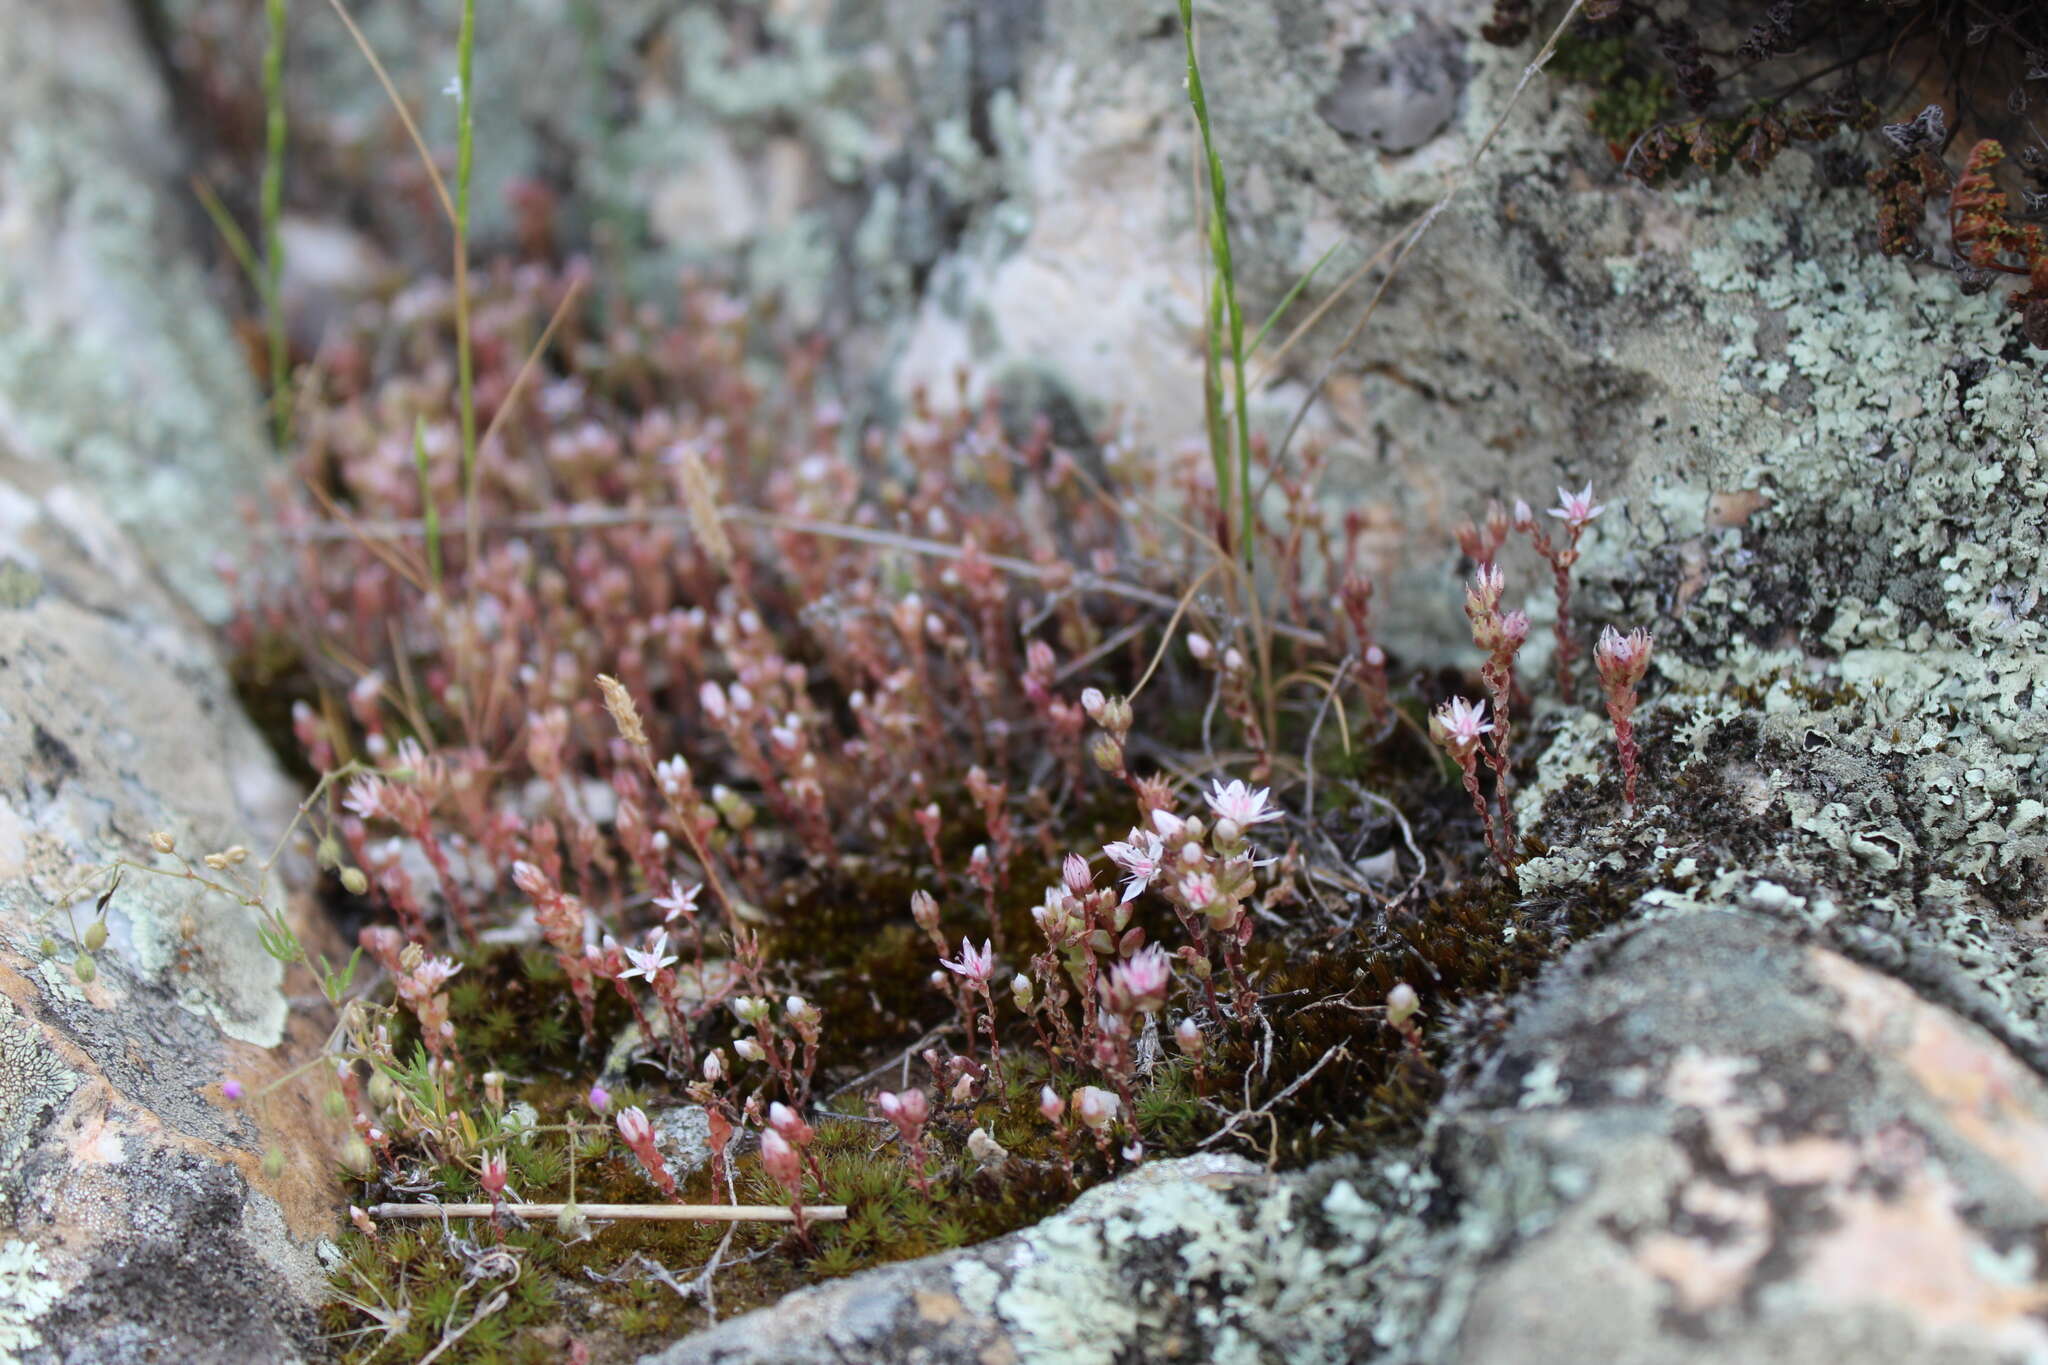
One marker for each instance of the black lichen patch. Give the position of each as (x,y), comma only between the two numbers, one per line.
(57,760)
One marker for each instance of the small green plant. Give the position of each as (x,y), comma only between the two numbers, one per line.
(465,351)
(273,217)
(1230,444)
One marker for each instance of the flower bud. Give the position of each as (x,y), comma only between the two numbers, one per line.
(1021,992)
(916,1107)
(84,968)
(1095,1107)
(1106,753)
(353,881)
(599,1099)
(1051,1105)
(162,842)
(95,937)
(781,1162)
(493,1174)
(1402,1004)
(1187,1036)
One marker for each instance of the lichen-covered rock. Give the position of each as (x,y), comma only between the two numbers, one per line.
(136,1220)
(1772,1154)
(114,364)
(1205,1258)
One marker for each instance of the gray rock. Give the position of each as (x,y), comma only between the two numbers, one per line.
(137,1223)
(682,1133)
(1399,97)
(1205,1258)
(1772,1154)
(134,1208)
(114,364)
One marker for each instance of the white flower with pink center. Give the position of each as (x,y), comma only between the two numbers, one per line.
(1247,806)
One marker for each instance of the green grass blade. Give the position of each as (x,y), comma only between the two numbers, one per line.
(465,162)
(1219,250)
(231,233)
(273,217)
(1292,294)
(429,513)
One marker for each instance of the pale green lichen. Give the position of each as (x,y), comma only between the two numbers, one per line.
(112,364)
(1209,1254)
(26,1293)
(1859,662)
(34,1083)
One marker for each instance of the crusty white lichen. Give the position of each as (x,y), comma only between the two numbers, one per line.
(1210,1255)
(34,1081)
(1870,634)
(26,1292)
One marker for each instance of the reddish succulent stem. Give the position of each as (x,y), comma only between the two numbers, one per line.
(988,1021)
(1625,744)
(1468,763)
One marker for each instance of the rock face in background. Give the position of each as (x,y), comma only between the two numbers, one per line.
(134,1221)
(1000,189)
(103,311)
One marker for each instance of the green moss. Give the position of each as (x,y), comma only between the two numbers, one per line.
(1630,97)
